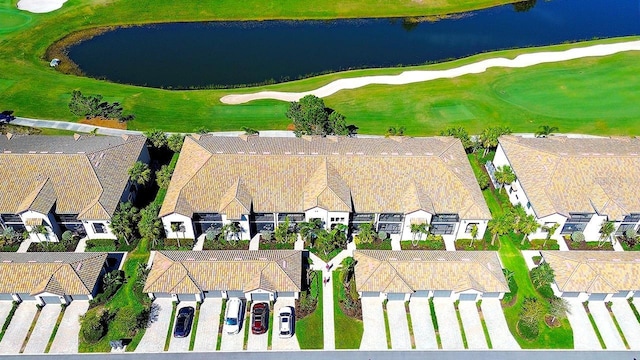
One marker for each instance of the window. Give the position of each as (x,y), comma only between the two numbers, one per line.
(445,218)
(204,221)
(336,219)
(576,222)
(391,217)
(629,222)
(99,228)
(470,227)
(293,217)
(444,224)
(363,217)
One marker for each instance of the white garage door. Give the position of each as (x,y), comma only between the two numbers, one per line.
(51,299)
(468,297)
(260,297)
(492,295)
(6,297)
(186,297)
(395,296)
(213,294)
(235,294)
(442,293)
(370,294)
(597,297)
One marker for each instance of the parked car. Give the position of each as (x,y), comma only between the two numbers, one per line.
(233,316)
(183,322)
(287,322)
(260,318)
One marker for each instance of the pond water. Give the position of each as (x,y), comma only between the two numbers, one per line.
(195,55)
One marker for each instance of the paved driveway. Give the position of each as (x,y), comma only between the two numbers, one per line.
(278,343)
(181,344)
(207,332)
(584,337)
(42,331)
(472,325)
(17,331)
(156,334)
(501,337)
(235,342)
(398,325)
(450,334)
(374,335)
(256,342)
(605,324)
(423,333)
(627,321)
(5,309)
(66,340)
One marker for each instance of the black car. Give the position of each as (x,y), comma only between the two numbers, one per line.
(183,322)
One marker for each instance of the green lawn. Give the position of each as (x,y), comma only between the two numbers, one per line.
(348,330)
(309,330)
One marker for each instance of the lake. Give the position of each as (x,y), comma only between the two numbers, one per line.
(220,54)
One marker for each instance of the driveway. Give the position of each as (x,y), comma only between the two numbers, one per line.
(501,337)
(584,337)
(605,324)
(17,331)
(278,343)
(181,344)
(450,334)
(423,333)
(207,332)
(627,321)
(374,335)
(256,342)
(398,325)
(156,334)
(5,309)
(66,340)
(472,325)
(42,331)
(235,342)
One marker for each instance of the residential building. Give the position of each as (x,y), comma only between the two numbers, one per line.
(456,275)
(578,183)
(51,184)
(258,182)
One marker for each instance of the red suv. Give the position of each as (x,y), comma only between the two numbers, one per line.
(260,318)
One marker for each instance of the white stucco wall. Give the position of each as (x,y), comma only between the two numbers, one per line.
(461,232)
(188,226)
(48,221)
(406,229)
(91,234)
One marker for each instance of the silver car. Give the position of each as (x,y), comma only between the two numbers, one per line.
(233,316)
(287,322)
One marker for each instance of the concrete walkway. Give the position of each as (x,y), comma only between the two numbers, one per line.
(24,246)
(328,321)
(374,335)
(17,331)
(501,337)
(605,324)
(156,334)
(208,322)
(584,337)
(199,245)
(254,243)
(181,344)
(398,325)
(472,325)
(66,340)
(450,334)
(43,329)
(628,323)
(70,126)
(423,333)
(82,245)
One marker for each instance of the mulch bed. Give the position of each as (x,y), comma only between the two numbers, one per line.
(551,322)
(587,245)
(109,123)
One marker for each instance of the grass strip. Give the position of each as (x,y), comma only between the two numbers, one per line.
(615,322)
(270,324)
(633,308)
(593,324)
(485,329)
(55,328)
(349,329)
(7,321)
(410,325)
(387,330)
(247,314)
(464,336)
(309,330)
(221,324)
(434,320)
(194,327)
(33,324)
(170,330)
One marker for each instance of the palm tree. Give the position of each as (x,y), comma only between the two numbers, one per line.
(546,130)
(140,173)
(249,131)
(542,275)
(606,230)
(395,131)
(500,225)
(417,230)
(178,227)
(550,231)
(40,230)
(474,233)
(232,230)
(366,234)
(309,231)
(504,175)
(348,271)
(527,226)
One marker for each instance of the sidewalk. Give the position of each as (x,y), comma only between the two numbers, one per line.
(63,125)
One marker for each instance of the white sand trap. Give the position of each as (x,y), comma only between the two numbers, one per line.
(409,77)
(40,6)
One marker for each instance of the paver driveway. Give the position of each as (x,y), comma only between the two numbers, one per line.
(17,331)
(208,323)
(278,343)
(450,334)
(374,335)
(501,337)
(181,344)
(5,309)
(605,324)
(156,334)
(423,333)
(66,340)
(42,331)
(398,325)
(256,342)
(584,337)
(627,321)
(235,342)
(472,325)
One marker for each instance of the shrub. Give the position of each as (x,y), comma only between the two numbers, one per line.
(100,245)
(536,259)
(577,236)
(382,235)
(528,330)
(546,291)
(266,235)
(125,321)
(67,236)
(93,325)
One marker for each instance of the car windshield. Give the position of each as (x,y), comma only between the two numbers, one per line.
(232,321)
(181,321)
(285,320)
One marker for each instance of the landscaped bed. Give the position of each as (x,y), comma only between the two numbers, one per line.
(481,244)
(540,244)
(309,315)
(588,245)
(173,244)
(347,311)
(49,246)
(275,246)
(225,245)
(377,244)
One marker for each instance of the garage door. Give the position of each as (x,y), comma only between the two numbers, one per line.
(442,293)
(186,297)
(468,297)
(235,294)
(6,297)
(421,293)
(395,296)
(212,294)
(26,297)
(80,297)
(370,294)
(622,294)
(289,294)
(161,295)
(570,294)
(260,297)
(493,295)
(51,299)
(597,297)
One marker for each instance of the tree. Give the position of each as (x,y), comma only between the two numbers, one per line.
(417,230)
(331,240)
(311,117)
(112,279)
(163,177)
(366,234)
(41,230)
(606,230)
(157,138)
(140,173)
(283,233)
(178,227)
(249,131)
(504,175)
(232,230)
(338,124)
(489,137)
(546,130)
(524,6)
(532,311)
(309,231)
(459,133)
(483,180)
(92,106)
(559,308)
(550,231)
(542,275)
(395,131)
(527,226)
(150,226)
(474,233)
(124,222)
(201,130)
(500,225)
(174,142)
(348,271)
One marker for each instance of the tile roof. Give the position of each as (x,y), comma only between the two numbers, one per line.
(414,270)
(595,271)
(293,174)
(190,272)
(83,175)
(578,175)
(55,273)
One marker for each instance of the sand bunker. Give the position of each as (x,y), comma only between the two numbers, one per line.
(40,6)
